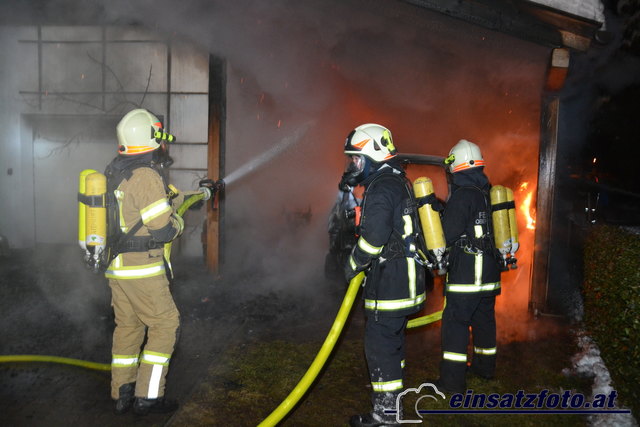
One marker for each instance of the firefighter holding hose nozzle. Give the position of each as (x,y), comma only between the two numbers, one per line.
(142,222)
(386,250)
(473,278)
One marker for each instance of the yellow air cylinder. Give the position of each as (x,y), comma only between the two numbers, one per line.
(429,219)
(82,208)
(96,213)
(500,217)
(513,224)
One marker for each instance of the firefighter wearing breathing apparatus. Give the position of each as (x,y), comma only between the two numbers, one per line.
(137,274)
(473,277)
(387,250)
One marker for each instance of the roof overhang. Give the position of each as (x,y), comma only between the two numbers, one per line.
(547,24)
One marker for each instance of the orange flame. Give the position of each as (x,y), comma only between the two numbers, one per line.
(525,207)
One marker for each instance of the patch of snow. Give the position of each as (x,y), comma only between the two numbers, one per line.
(589,363)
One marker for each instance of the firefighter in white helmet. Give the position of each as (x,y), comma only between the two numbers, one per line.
(386,249)
(138,280)
(473,277)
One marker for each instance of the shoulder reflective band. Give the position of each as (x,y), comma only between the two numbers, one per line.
(454,357)
(96,201)
(485,351)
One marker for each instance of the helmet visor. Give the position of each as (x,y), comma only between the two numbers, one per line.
(354,164)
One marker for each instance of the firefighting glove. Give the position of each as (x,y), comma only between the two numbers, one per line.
(351,269)
(343,185)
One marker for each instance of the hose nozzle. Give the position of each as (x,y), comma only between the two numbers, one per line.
(210,187)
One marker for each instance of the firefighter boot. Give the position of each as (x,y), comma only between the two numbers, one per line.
(125,398)
(143,406)
(378,417)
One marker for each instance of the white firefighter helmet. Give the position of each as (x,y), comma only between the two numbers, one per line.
(367,148)
(140,132)
(464,155)
(371,140)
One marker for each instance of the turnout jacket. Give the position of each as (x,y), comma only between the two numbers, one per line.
(143,197)
(468,229)
(395,284)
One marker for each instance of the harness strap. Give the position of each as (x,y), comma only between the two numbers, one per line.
(95,201)
(503,205)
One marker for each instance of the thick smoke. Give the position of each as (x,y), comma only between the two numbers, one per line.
(336,64)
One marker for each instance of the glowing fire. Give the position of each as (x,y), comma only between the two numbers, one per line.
(525,207)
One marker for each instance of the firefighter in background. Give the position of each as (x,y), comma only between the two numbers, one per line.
(473,277)
(138,279)
(386,250)
(343,221)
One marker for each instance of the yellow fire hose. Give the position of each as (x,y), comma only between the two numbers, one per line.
(55,359)
(429,318)
(83,363)
(303,385)
(188,203)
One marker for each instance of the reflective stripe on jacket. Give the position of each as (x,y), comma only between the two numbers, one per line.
(394,285)
(142,197)
(473,267)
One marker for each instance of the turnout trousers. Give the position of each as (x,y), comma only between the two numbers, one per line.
(384,346)
(142,305)
(460,313)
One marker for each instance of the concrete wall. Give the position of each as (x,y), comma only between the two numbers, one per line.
(62,90)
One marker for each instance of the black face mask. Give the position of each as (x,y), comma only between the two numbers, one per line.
(356,171)
(161,157)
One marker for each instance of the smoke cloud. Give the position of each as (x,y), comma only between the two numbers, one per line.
(336,64)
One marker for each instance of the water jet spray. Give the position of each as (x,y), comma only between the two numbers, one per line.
(257,162)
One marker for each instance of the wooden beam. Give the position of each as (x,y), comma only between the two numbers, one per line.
(544,209)
(558,69)
(215,162)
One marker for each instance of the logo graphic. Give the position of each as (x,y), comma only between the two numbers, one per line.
(430,388)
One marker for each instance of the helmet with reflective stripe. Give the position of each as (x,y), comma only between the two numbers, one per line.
(371,140)
(140,132)
(463,156)
(367,147)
